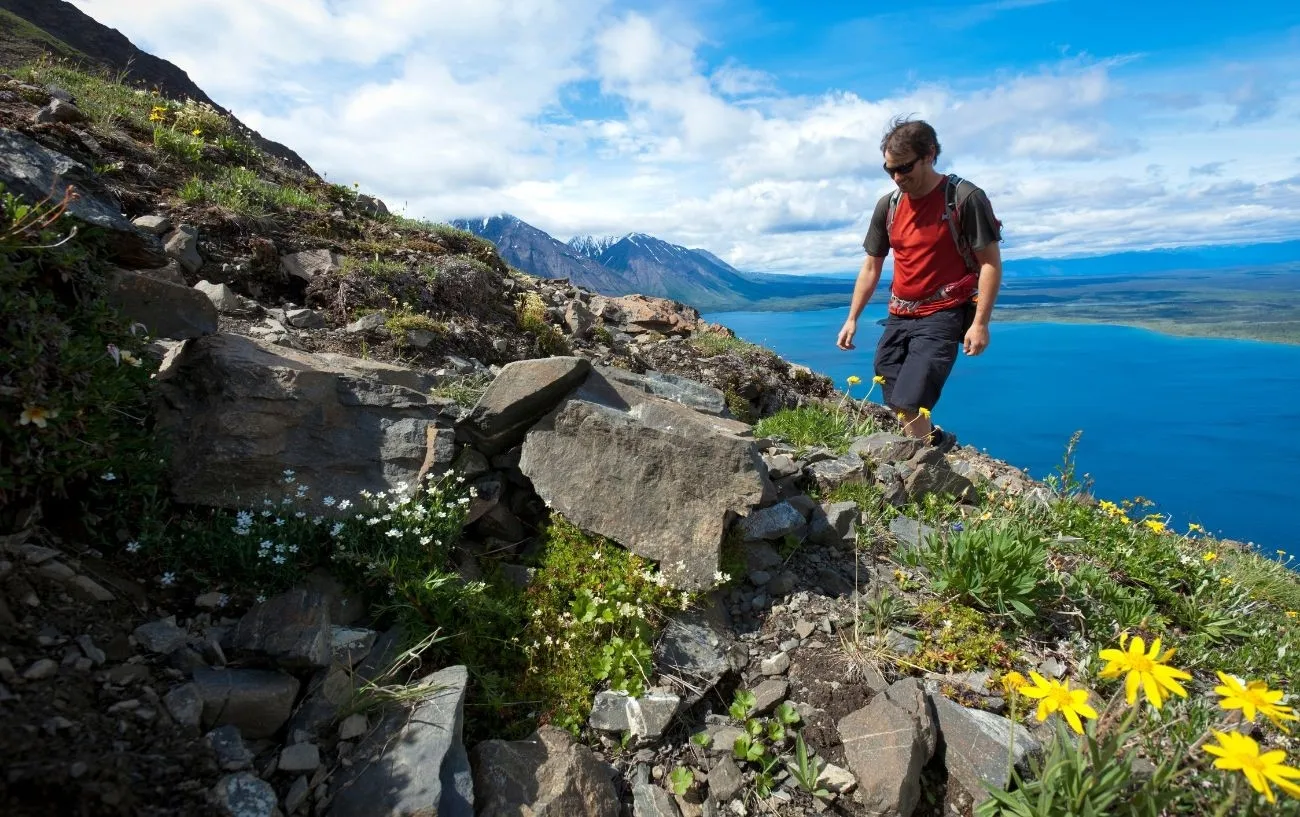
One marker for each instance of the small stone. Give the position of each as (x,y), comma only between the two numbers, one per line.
(154,225)
(40,670)
(245,795)
(7,671)
(297,795)
(78,769)
(36,555)
(228,745)
(768,694)
(304,318)
(161,636)
(185,705)
(776,664)
(89,590)
(88,649)
(760,577)
(353,726)
(301,757)
(804,628)
(211,601)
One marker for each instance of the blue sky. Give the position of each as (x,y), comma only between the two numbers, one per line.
(752,128)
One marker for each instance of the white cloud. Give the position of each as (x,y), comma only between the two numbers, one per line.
(583,117)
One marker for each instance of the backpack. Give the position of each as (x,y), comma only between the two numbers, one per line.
(956,189)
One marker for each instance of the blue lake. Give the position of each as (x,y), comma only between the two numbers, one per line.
(1207,428)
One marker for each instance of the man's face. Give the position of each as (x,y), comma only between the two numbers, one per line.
(904,168)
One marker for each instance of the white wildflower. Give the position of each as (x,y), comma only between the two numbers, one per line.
(288,476)
(328,502)
(424,540)
(278,559)
(345,504)
(109,476)
(300,515)
(167,579)
(265,514)
(337,529)
(393,533)
(243,519)
(721,578)
(133,546)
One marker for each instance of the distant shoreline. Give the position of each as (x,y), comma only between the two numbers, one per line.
(1289,334)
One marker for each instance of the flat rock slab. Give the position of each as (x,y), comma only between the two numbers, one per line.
(293,628)
(238,412)
(653,475)
(258,702)
(546,775)
(521,394)
(976,746)
(167,310)
(414,762)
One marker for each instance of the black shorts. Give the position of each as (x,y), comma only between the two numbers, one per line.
(915,355)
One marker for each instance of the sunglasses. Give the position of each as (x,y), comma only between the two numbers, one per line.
(903,169)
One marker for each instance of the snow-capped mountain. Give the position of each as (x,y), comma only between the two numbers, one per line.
(640,263)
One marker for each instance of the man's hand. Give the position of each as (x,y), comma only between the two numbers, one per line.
(847,332)
(977,339)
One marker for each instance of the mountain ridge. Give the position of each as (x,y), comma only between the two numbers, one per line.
(640,263)
(89,41)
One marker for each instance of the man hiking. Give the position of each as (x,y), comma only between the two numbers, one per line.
(947,271)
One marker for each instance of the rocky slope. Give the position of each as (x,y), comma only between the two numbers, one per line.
(306,343)
(96,46)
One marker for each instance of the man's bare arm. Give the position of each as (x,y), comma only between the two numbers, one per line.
(868,278)
(990,260)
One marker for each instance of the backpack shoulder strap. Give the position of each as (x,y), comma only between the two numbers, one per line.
(893,208)
(955,188)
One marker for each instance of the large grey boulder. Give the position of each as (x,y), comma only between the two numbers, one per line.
(414,762)
(521,394)
(884,446)
(35,172)
(546,775)
(977,745)
(238,413)
(167,310)
(655,476)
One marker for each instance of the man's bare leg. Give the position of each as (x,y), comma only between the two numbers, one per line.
(914,423)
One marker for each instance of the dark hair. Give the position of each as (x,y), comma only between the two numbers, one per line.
(914,135)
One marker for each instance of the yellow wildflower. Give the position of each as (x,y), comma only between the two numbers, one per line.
(986,516)
(854,380)
(1238,752)
(130,359)
(197,132)
(924,412)
(1054,696)
(1154,524)
(1192,527)
(1013,681)
(36,415)
(1291,614)
(1251,697)
(1210,557)
(878,379)
(1147,669)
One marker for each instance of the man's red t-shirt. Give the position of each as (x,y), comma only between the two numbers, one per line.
(925,256)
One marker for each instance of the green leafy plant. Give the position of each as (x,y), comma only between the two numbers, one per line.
(530,315)
(999,567)
(807,769)
(681,779)
(742,703)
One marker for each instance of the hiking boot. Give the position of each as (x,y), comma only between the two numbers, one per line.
(945,441)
